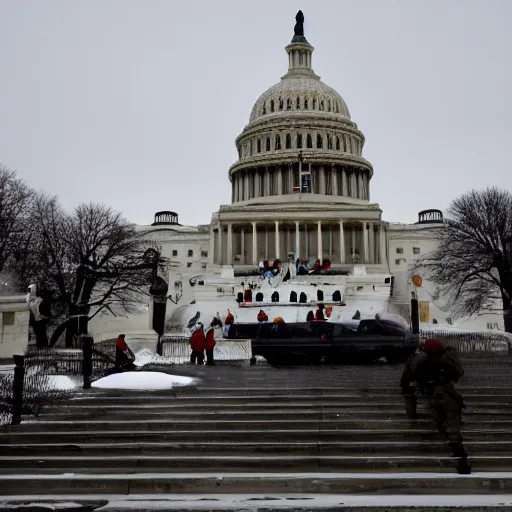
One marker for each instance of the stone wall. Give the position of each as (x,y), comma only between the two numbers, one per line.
(14,325)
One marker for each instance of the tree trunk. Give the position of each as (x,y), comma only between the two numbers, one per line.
(79,321)
(507,314)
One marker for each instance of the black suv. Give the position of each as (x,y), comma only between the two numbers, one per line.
(315,342)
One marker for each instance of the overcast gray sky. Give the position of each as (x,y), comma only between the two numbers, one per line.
(137,103)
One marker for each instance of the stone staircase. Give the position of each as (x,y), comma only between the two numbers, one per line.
(213,443)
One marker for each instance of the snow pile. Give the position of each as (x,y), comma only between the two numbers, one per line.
(142,381)
(146,356)
(63,382)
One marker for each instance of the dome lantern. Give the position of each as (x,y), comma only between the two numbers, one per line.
(300,52)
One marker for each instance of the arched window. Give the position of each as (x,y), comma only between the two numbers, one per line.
(337,108)
(336,296)
(329,141)
(259,297)
(319,295)
(293,296)
(303,298)
(250,148)
(259,146)
(278,142)
(288,104)
(271,105)
(337,143)
(329,105)
(239,297)
(322,107)
(299,140)
(309,141)
(264,108)
(275,297)
(344,144)
(281,103)
(314,103)
(298,103)
(319,144)
(288,141)
(306,104)
(267,144)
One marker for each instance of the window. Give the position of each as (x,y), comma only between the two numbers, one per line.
(399,250)
(415,250)
(329,142)
(319,141)
(278,142)
(360,288)
(338,143)
(298,103)
(281,104)
(8,318)
(175,252)
(288,104)
(264,108)
(288,141)
(203,266)
(259,146)
(322,108)
(189,264)
(309,141)
(306,104)
(204,254)
(398,261)
(267,144)
(329,105)
(299,140)
(271,105)
(314,103)
(190,253)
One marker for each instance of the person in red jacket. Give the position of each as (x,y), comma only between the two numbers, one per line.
(124,356)
(210,341)
(197,343)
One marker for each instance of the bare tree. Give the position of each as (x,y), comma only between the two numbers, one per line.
(472,264)
(92,261)
(15,199)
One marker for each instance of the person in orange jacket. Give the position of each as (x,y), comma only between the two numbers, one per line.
(210,341)
(197,343)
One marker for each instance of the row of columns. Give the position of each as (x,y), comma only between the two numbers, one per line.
(370,254)
(331,181)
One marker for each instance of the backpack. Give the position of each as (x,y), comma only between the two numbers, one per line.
(433,377)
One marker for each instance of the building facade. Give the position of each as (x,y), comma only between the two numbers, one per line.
(302,185)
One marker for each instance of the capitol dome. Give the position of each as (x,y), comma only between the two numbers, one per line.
(299,93)
(300,126)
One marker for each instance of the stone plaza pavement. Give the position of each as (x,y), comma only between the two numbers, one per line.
(258,437)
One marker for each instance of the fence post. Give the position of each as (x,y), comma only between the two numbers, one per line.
(17,388)
(415,316)
(87,343)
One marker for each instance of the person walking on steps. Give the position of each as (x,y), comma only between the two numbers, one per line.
(435,370)
(210,340)
(197,344)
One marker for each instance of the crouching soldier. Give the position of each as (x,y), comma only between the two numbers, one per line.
(124,356)
(435,371)
(197,344)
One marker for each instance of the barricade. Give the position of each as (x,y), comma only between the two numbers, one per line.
(177,349)
(497,342)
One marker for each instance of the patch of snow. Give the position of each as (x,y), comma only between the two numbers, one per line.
(142,381)
(146,356)
(63,382)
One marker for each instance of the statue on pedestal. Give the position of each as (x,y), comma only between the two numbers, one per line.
(299,26)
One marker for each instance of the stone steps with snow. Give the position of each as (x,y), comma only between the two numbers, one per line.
(210,439)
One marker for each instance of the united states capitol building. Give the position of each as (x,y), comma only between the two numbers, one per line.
(302,186)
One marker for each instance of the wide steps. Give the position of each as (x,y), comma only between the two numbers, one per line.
(187,463)
(258,482)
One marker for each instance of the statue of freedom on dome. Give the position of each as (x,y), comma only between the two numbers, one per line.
(299,26)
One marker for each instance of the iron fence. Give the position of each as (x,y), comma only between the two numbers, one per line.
(496,342)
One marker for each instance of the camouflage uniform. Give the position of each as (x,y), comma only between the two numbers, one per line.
(445,404)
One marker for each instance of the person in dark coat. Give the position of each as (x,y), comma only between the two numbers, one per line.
(124,356)
(436,370)
(197,344)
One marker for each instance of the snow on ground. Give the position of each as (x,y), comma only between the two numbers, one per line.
(147,356)
(64,382)
(142,381)
(258,501)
